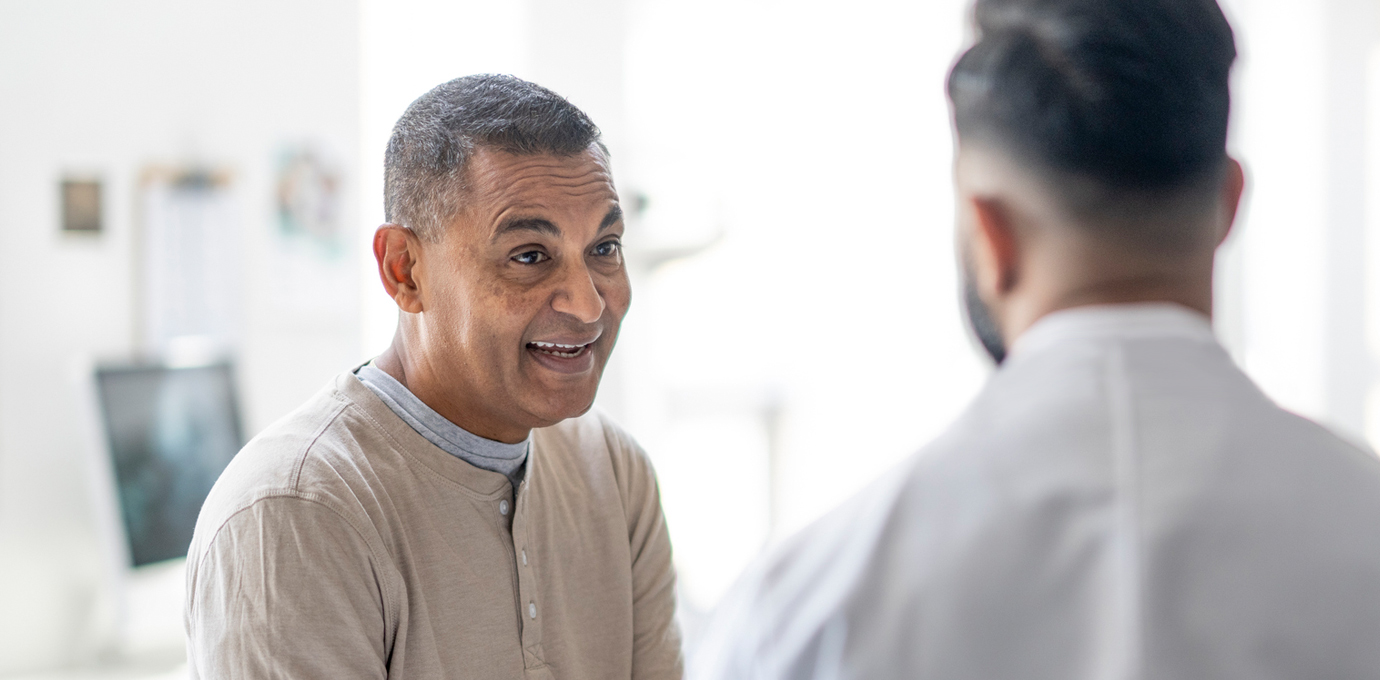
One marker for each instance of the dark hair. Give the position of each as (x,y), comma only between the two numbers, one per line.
(1130,94)
(424,167)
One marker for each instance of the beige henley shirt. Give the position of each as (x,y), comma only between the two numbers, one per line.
(341,544)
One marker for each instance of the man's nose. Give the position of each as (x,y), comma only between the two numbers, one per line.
(578,296)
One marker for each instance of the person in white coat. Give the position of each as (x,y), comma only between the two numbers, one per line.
(1120,501)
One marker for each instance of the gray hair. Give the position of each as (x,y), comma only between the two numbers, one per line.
(429,151)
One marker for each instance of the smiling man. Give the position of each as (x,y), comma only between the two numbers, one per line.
(450,509)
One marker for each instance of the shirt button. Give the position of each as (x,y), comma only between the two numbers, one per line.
(532,609)
(503,507)
(524,558)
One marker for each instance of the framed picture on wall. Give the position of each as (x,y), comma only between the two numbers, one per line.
(81,206)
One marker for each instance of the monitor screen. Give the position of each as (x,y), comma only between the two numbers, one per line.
(170,432)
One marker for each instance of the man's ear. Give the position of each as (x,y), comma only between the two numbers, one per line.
(396,248)
(1233,186)
(994,249)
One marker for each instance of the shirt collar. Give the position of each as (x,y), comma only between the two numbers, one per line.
(1119,321)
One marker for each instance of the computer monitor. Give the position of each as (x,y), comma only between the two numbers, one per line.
(160,435)
(169,433)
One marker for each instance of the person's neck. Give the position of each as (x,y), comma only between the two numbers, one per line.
(1188,284)
(426,384)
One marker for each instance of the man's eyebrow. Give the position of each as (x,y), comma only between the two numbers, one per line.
(536,224)
(544,226)
(615,214)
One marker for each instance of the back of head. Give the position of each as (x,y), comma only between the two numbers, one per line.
(432,142)
(1124,103)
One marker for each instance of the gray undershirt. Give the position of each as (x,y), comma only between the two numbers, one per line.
(486,454)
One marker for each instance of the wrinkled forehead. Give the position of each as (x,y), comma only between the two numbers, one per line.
(499,180)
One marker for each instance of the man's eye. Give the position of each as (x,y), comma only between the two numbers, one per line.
(607,248)
(530,257)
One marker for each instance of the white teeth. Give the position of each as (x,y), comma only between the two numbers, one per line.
(558,350)
(553,345)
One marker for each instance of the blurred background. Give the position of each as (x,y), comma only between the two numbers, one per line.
(188,188)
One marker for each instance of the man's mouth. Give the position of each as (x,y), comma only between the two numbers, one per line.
(556,349)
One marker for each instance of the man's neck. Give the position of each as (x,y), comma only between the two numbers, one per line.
(397,362)
(1193,292)
(389,362)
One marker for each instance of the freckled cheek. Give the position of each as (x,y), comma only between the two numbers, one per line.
(513,311)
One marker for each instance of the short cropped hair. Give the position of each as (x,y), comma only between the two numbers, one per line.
(1130,94)
(428,153)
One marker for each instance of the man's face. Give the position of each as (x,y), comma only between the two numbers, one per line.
(524,293)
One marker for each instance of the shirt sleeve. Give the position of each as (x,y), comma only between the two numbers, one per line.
(656,637)
(287,588)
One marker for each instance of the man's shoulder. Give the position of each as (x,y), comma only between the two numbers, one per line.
(315,453)
(865,565)
(273,458)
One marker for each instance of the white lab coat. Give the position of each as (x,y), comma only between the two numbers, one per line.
(1120,502)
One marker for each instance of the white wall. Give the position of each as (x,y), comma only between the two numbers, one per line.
(819,341)
(108,87)
(1292,294)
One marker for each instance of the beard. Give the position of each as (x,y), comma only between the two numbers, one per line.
(979,318)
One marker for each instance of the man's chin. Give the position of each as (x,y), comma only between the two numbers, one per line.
(551,396)
(556,407)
